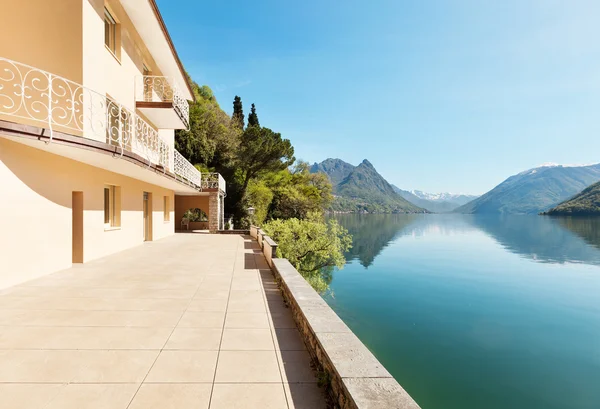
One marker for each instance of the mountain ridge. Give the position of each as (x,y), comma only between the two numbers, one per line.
(534,190)
(362,189)
(585,203)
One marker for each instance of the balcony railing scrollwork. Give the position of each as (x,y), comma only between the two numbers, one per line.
(213,181)
(43,99)
(152,88)
(184,169)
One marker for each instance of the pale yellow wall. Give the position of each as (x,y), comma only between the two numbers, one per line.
(44,34)
(101,70)
(184,203)
(36,216)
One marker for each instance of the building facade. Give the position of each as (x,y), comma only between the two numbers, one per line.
(91,92)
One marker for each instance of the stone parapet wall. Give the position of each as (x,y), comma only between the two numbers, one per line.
(355,378)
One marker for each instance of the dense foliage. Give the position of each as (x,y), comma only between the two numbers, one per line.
(313,246)
(262,173)
(585,203)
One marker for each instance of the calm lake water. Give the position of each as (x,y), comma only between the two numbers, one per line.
(472,312)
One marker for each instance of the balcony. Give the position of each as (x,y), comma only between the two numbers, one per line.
(161,101)
(212,181)
(39,104)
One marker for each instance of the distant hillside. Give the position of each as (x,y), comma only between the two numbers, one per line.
(361,189)
(435,202)
(336,169)
(585,203)
(535,190)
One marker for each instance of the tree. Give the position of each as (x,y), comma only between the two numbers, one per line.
(238,113)
(210,140)
(314,247)
(297,192)
(262,150)
(253,118)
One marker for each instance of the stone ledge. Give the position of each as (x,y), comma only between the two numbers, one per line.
(357,380)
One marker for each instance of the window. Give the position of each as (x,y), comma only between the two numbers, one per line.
(167,208)
(110,32)
(112,206)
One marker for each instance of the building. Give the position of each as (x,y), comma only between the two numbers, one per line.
(91,92)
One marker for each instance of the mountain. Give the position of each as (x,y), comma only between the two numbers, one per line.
(336,169)
(534,190)
(435,202)
(585,203)
(361,189)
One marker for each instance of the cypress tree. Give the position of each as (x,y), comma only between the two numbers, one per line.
(238,113)
(253,118)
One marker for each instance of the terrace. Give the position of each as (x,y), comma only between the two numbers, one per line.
(157,326)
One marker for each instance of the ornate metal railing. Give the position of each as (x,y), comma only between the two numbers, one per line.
(43,99)
(186,170)
(152,88)
(213,181)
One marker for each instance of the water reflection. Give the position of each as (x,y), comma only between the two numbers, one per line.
(539,238)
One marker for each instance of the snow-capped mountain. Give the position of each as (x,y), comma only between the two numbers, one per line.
(445,196)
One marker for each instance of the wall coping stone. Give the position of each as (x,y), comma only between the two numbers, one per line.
(357,379)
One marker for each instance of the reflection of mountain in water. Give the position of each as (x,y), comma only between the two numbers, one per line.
(371,233)
(543,239)
(588,228)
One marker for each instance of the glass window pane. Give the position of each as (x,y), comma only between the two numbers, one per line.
(106,205)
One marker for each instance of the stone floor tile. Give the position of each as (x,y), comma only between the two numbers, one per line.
(208,305)
(247,320)
(247,340)
(202,319)
(118,366)
(248,396)
(246,305)
(184,367)
(195,339)
(172,396)
(288,339)
(27,395)
(39,366)
(282,319)
(247,366)
(305,396)
(296,367)
(93,396)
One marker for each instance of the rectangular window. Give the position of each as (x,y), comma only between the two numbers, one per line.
(110,32)
(112,206)
(167,208)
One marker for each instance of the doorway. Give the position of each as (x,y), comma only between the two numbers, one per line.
(77,227)
(147,216)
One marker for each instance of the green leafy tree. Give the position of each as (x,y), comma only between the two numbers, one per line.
(238,113)
(262,150)
(253,118)
(260,197)
(297,192)
(210,141)
(314,247)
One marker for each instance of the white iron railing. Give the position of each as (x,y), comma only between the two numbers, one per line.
(152,88)
(45,99)
(185,169)
(213,181)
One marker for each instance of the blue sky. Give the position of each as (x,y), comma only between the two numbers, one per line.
(438,95)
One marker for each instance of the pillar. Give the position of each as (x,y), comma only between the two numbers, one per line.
(215,211)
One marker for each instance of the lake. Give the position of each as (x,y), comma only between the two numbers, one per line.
(474,312)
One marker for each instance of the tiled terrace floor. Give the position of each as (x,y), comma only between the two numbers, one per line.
(191,321)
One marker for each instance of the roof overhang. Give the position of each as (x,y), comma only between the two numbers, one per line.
(149,24)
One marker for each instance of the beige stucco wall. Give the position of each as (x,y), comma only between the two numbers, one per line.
(44,34)
(184,203)
(36,215)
